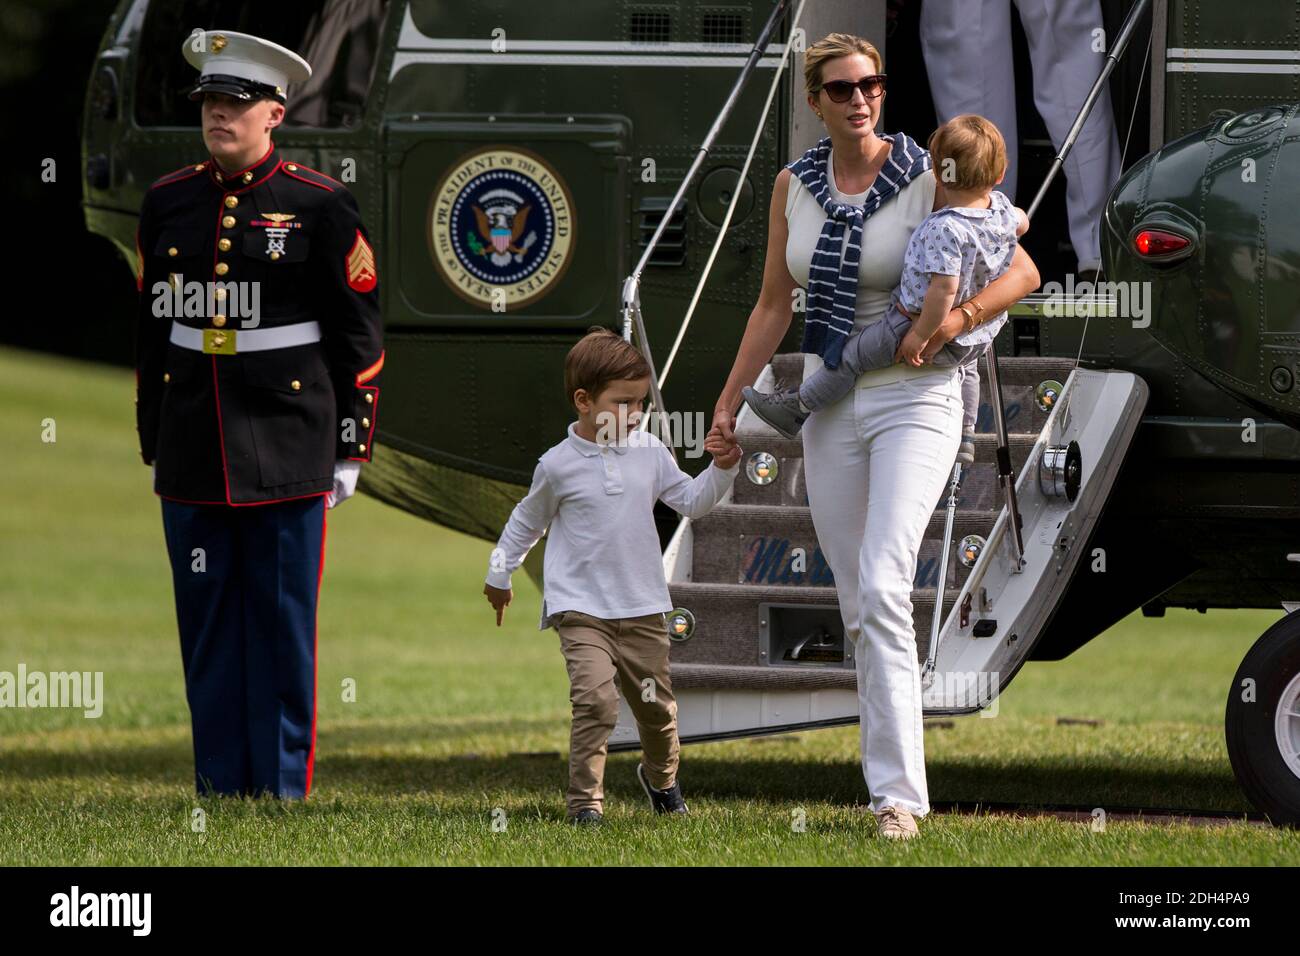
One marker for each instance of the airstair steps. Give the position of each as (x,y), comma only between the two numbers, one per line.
(727,618)
(753,544)
(743,553)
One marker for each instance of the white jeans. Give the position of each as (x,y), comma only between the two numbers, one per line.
(876,463)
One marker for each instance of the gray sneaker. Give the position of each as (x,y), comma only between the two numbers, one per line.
(966,450)
(781,410)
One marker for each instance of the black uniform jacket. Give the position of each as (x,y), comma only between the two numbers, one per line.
(254,426)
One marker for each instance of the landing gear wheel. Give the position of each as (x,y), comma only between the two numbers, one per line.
(1263,733)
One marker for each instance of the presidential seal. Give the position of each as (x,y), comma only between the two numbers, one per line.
(501,227)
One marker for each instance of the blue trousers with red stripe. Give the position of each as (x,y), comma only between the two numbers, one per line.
(247,581)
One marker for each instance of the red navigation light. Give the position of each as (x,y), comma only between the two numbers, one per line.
(1156,243)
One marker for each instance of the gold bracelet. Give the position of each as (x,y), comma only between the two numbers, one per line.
(970,318)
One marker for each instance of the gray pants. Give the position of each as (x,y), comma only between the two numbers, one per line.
(873,346)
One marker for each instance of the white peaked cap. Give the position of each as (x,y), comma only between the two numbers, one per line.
(242,65)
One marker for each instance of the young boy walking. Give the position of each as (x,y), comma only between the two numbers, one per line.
(604,589)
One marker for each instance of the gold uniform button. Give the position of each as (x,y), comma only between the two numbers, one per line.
(173,251)
(219,320)
(220,178)
(220,294)
(369,398)
(232,202)
(198,168)
(228,222)
(167,376)
(222,268)
(362,449)
(365,423)
(295,385)
(274,256)
(248,177)
(224,245)
(291,167)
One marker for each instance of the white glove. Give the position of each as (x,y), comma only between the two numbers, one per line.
(345,482)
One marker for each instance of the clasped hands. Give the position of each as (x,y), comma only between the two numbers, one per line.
(917,351)
(724,448)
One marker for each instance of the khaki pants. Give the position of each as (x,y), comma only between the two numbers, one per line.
(633,650)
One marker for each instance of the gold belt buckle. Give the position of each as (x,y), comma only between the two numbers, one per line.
(219,341)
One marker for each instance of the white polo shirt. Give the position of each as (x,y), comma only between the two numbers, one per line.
(602,553)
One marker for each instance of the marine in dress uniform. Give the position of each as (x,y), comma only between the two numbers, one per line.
(254,423)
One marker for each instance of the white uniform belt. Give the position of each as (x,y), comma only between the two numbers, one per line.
(231,341)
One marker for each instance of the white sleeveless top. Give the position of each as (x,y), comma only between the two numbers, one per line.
(884,242)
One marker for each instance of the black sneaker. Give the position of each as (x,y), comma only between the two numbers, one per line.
(587,818)
(781,410)
(662,801)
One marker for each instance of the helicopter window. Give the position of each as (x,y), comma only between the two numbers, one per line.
(339,38)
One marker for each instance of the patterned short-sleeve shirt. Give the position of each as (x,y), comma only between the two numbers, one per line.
(976,245)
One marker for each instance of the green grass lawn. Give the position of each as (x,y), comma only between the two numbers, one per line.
(457,723)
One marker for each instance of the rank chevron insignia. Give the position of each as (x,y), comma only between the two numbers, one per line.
(361,265)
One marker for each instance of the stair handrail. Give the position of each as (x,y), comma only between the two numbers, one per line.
(630,297)
(1006,475)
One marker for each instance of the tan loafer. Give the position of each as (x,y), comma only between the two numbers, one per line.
(895,823)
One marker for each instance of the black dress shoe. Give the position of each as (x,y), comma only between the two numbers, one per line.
(586,818)
(662,801)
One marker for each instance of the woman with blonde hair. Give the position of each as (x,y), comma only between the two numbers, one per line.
(876,461)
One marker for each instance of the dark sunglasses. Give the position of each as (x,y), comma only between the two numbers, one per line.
(841,91)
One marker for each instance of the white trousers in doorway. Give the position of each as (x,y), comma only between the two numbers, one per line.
(967,50)
(876,464)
